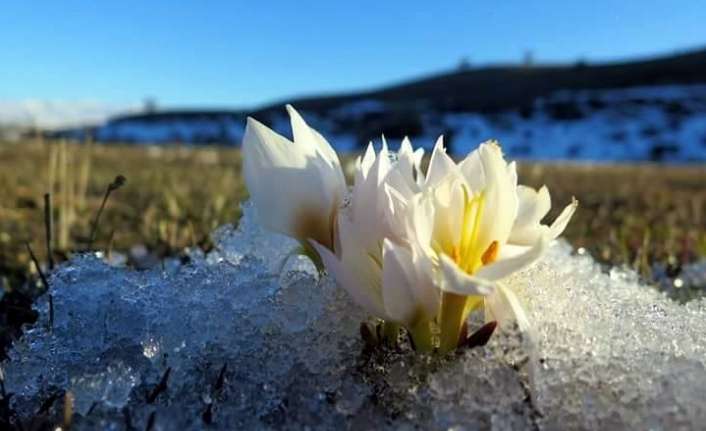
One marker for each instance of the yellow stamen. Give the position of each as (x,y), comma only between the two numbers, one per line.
(491,254)
(455,308)
(475,212)
(455,254)
(466,222)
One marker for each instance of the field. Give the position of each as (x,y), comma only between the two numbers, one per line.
(645,216)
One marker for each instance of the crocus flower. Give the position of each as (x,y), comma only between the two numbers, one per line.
(474,208)
(296,186)
(419,251)
(393,282)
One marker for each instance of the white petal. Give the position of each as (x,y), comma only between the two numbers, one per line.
(396,213)
(504,267)
(533,206)
(305,135)
(440,164)
(346,273)
(420,222)
(369,201)
(303,208)
(501,202)
(557,228)
(418,157)
(264,154)
(504,307)
(406,146)
(409,291)
(261,145)
(448,201)
(366,162)
(382,164)
(512,250)
(472,170)
(457,281)
(398,280)
(512,172)
(406,166)
(426,291)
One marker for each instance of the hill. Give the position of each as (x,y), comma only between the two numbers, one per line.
(512,86)
(648,107)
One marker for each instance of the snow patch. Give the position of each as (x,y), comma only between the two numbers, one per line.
(229,342)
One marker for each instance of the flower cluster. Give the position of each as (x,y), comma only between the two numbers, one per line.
(414,249)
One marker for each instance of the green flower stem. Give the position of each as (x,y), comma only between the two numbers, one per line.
(452,314)
(422,336)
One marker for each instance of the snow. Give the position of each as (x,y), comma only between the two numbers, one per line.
(646,123)
(196,130)
(228,341)
(659,123)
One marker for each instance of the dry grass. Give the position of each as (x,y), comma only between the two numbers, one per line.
(175,196)
(637,215)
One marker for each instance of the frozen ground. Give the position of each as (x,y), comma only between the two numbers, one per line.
(224,342)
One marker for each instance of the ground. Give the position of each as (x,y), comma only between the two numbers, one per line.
(639,215)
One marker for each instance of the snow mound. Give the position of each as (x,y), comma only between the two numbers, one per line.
(226,341)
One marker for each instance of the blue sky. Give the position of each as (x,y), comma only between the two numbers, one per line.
(236,54)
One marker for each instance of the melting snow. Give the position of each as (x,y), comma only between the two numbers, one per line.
(226,340)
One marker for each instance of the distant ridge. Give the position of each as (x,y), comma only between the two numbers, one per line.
(649,109)
(494,88)
(485,89)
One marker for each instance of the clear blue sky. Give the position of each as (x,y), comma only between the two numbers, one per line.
(228,53)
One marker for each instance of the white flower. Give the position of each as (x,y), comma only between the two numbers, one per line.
(372,261)
(371,211)
(421,251)
(296,187)
(473,209)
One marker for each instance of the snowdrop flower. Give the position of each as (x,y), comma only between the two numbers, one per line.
(296,187)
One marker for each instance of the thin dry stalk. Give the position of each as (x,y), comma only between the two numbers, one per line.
(53,162)
(85,173)
(116,184)
(49,228)
(64,193)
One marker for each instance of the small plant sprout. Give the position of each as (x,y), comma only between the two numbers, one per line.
(415,250)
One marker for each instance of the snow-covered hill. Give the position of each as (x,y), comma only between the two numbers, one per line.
(657,123)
